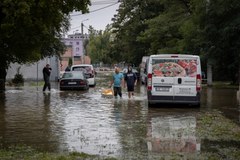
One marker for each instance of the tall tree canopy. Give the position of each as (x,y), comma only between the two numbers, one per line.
(31,30)
(203,27)
(222,34)
(98,47)
(128,24)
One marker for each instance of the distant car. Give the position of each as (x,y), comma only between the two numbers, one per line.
(143,78)
(124,71)
(88,71)
(73,81)
(60,75)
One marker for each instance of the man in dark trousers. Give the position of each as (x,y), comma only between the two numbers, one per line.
(46,76)
(131,80)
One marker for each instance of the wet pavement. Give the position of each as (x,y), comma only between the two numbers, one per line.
(84,121)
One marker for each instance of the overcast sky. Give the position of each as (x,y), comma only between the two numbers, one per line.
(101,13)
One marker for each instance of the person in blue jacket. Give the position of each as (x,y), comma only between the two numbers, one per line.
(131,81)
(117,81)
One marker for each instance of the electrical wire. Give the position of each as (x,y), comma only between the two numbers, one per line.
(95,3)
(94,10)
(103,2)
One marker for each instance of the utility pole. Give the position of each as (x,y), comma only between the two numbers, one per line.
(83,55)
(82,30)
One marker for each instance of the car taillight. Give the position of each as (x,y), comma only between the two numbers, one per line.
(82,82)
(198,82)
(149,82)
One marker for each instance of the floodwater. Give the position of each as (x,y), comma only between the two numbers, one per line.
(84,121)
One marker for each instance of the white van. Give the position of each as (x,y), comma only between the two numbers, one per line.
(174,79)
(88,70)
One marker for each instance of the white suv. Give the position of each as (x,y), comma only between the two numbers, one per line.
(88,70)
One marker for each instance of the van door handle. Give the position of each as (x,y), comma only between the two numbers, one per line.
(179,80)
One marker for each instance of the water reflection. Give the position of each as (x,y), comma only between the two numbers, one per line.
(2,118)
(29,120)
(223,100)
(172,134)
(87,122)
(131,116)
(209,97)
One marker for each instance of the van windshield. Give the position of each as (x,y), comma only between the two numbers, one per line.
(174,67)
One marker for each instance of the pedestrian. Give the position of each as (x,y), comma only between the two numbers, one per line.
(46,76)
(117,81)
(131,81)
(67,69)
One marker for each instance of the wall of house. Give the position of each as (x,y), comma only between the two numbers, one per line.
(33,72)
(65,58)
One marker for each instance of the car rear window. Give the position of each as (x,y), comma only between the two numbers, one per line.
(85,69)
(73,75)
(174,67)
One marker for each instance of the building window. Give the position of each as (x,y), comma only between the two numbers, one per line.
(77,49)
(77,43)
(71,43)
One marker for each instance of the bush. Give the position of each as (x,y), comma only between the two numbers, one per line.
(18,78)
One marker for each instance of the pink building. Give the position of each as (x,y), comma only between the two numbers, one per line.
(75,50)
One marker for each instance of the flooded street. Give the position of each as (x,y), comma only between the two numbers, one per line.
(84,121)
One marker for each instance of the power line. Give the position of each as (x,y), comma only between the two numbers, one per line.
(95,10)
(103,2)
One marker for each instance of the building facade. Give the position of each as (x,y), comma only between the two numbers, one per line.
(33,71)
(75,51)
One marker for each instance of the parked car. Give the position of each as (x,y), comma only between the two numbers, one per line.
(124,71)
(88,71)
(143,76)
(60,75)
(74,81)
(143,69)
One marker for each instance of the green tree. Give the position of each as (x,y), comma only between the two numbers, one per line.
(99,46)
(203,27)
(128,24)
(31,30)
(221,26)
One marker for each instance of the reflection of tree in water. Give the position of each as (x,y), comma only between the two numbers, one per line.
(2,119)
(132,127)
(29,118)
(52,131)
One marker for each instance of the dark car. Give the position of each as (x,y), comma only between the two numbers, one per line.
(124,71)
(74,80)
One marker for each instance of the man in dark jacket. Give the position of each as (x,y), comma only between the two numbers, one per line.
(131,80)
(46,77)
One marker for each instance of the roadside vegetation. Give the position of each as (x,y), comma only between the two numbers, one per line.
(27,153)
(222,84)
(206,28)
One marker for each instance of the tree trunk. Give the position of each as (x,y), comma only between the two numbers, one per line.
(3,74)
(238,92)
